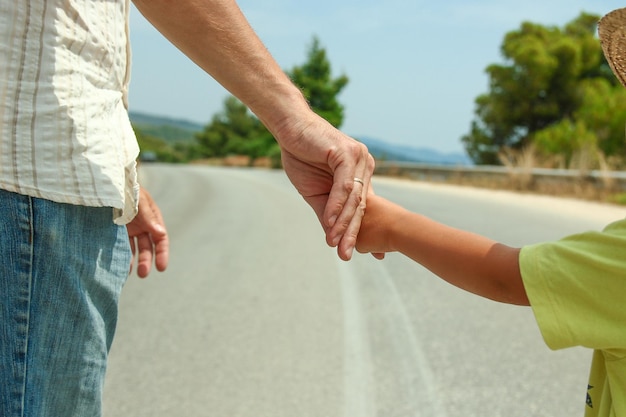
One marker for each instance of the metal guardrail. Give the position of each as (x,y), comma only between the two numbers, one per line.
(518,177)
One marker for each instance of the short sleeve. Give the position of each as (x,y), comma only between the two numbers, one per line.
(577,288)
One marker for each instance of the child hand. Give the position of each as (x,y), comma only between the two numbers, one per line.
(374,234)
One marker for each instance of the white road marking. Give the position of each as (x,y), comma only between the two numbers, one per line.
(415,377)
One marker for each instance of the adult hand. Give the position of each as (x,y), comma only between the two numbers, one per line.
(320,161)
(148,237)
(325,166)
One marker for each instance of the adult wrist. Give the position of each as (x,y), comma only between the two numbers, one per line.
(283,111)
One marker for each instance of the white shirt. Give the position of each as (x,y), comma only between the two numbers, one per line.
(64,128)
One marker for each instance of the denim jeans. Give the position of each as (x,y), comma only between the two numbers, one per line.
(62,268)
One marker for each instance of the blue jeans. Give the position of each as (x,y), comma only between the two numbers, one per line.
(62,268)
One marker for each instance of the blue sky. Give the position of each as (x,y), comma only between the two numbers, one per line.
(415,66)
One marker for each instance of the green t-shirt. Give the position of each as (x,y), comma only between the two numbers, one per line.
(577,290)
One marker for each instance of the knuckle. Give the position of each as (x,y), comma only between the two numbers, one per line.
(362,206)
(348,186)
(371,162)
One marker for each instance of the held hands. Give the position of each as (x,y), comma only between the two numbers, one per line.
(375,235)
(148,237)
(320,161)
(332,172)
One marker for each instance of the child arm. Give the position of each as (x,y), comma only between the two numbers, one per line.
(467,260)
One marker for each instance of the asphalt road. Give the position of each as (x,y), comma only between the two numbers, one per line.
(257,317)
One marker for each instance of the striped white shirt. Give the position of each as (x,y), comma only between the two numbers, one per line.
(65,135)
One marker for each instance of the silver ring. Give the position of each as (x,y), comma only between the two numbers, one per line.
(359,180)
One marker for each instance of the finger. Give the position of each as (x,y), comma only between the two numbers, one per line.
(160,240)
(131,240)
(159,248)
(379,256)
(346,245)
(144,260)
(161,251)
(346,194)
(348,240)
(343,163)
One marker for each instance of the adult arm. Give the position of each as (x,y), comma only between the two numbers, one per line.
(319,160)
(465,260)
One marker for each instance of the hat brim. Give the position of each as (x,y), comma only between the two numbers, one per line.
(612,33)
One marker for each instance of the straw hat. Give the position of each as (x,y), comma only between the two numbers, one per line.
(612,33)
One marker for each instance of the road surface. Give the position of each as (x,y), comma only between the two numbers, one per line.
(257,317)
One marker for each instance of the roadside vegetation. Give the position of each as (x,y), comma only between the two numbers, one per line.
(552,103)
(236,136)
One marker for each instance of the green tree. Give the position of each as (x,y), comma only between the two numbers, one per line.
(236,130)
(550,87)
(160,149)
(229,130)
(315,80)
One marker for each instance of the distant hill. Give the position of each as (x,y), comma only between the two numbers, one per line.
(404,153)
(169,129)
(150,119)
(178,130)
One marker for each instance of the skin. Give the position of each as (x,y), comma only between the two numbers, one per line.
(467,260)
(320,161)
(148,237)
